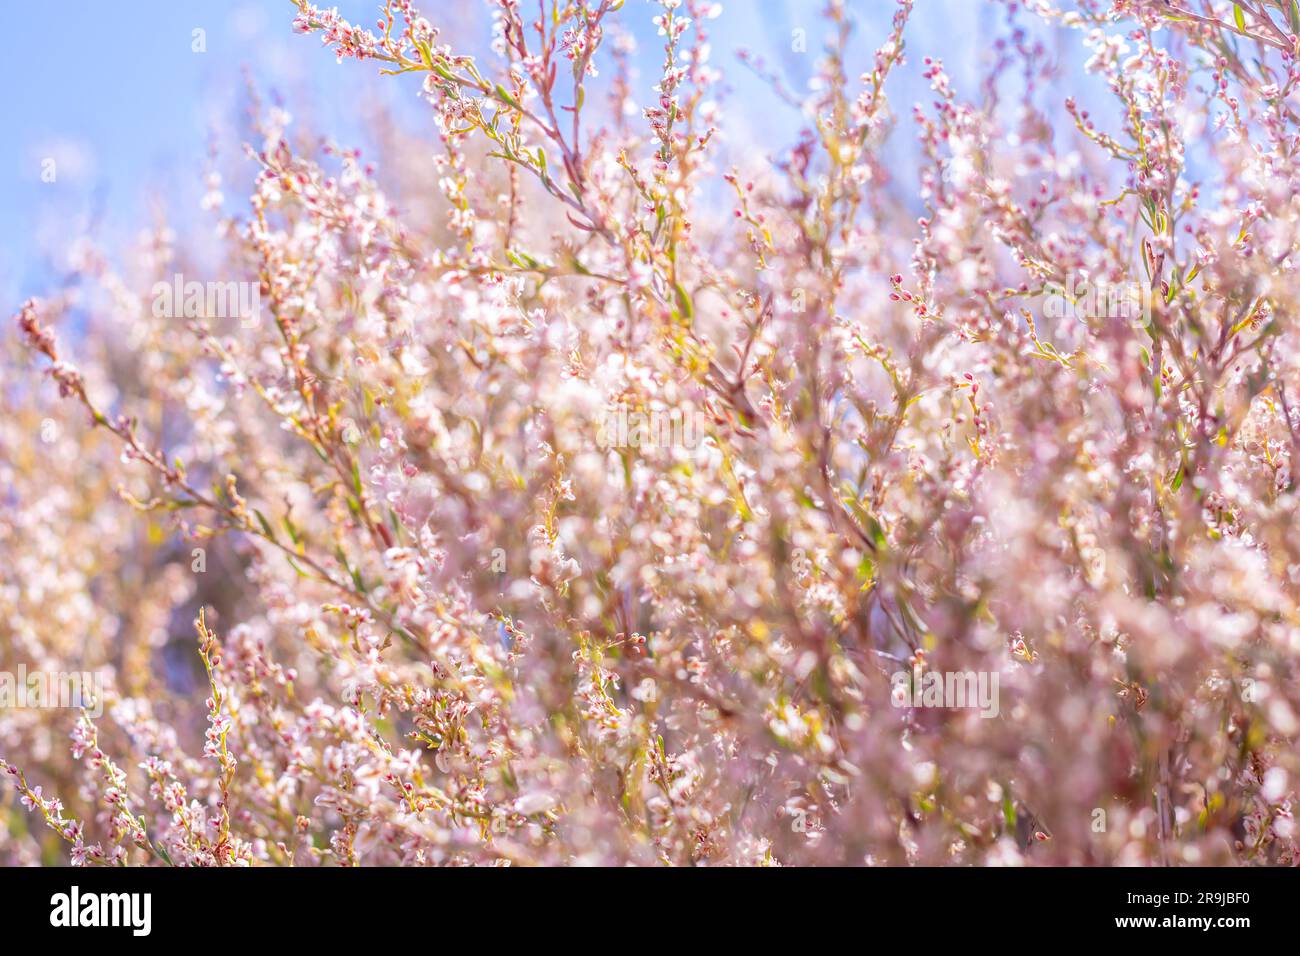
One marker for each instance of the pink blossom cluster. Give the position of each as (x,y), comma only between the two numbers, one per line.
(368,587)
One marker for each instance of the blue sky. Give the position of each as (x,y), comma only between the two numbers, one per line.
(115,94)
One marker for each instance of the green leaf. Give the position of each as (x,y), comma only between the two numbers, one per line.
(266,525)
(426,55)
(301,573)
(877,532)
(506,97)
(684,305)
(1239,17)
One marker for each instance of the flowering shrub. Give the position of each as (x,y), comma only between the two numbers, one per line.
(443,613)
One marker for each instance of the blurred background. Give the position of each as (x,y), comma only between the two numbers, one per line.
(133,100)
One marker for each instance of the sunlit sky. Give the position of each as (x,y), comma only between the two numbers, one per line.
(116,95)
